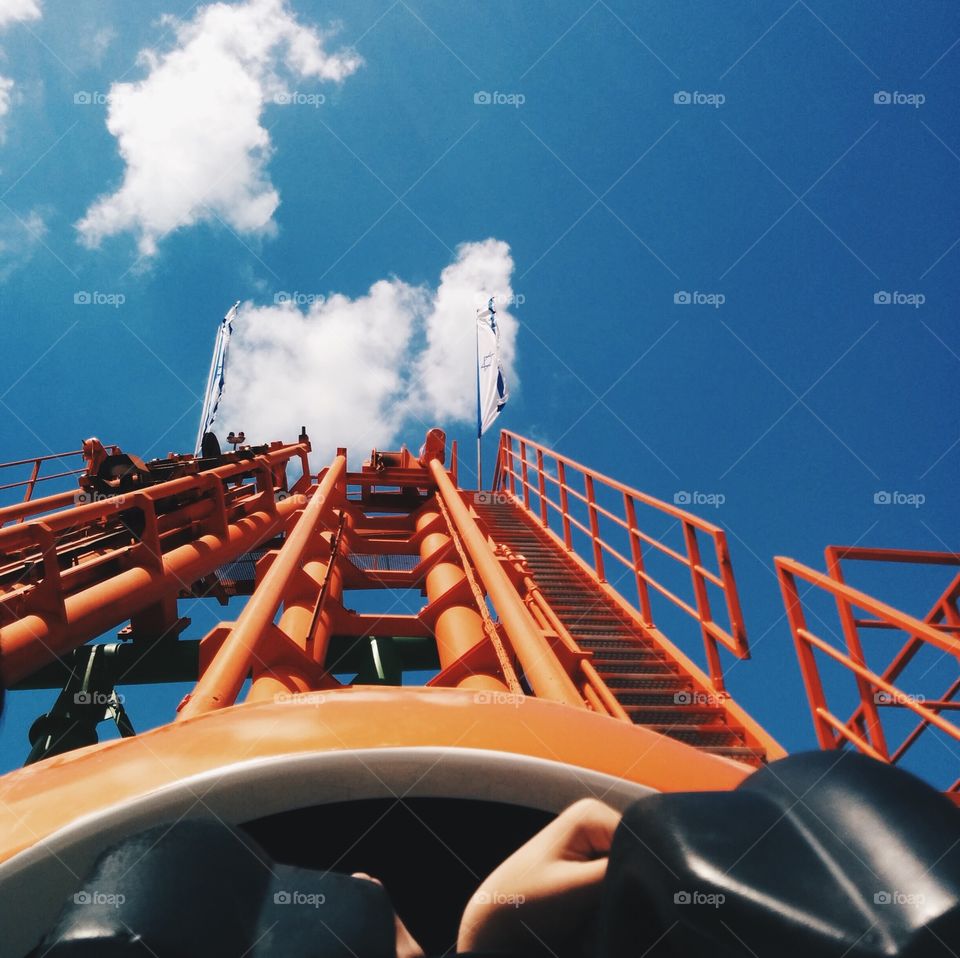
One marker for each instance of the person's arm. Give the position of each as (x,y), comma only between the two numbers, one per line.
(542,894)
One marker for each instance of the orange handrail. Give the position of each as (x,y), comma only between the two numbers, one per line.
(543,670)
(876,690)
(20,510)
(51,619)
(526,468)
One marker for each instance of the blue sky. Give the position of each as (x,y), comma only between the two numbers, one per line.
(781,199)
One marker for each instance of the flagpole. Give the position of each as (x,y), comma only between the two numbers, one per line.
(476,333)
(208,390)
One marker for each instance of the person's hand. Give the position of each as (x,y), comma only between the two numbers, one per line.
(407,946)
(541,895)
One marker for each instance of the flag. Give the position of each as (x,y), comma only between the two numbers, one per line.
(217,375)
(491,390)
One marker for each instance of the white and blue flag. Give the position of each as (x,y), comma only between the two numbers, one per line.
(217,375)
(491,389)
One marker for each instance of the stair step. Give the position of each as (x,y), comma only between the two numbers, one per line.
(593,612)
(624,657)
(752,756)
(604,645)
(634,699)
(544,575)
(658,714)
(615,671)
(647,681)
(693,735)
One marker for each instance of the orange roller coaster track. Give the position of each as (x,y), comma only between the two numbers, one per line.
(533,651)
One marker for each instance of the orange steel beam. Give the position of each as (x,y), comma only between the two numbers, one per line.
(221,681)
(458,626)
(30,507)
(541,667)
(55,624)
(311,608)
(873,728)
(828,726)
(943,608)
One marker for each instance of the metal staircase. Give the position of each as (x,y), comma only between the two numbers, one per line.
(652,689)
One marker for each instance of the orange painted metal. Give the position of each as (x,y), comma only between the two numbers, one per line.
(457,623)
(512,473)
(221,681)
(543,671)
(401,522)
(36,801)
(877,691)
(67,608)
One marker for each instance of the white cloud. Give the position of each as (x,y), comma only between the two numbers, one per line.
(98,44)
(6,95)
(190,132)
(451,342)
(370,371)
(19,238)
(13,11)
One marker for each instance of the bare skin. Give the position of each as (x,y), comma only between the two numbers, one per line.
(542,894)
(407,946)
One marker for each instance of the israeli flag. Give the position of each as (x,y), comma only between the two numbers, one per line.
(217,375)
(491,389)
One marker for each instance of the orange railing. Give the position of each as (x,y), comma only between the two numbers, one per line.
(586,510)
(35,467)
(878,697)
(235,514)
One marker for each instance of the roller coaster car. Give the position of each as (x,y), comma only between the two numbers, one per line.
(112,474)
(816,855)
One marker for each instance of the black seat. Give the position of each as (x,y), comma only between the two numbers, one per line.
(201,889)
(820,855)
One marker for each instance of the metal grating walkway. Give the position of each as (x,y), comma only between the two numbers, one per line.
(651,687)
